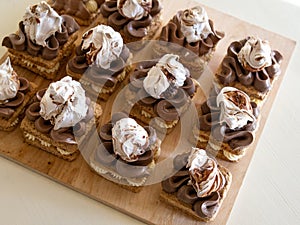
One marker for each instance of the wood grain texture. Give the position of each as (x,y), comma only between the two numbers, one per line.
(145,205)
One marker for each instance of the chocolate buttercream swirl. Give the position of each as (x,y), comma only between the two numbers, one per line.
(209,120)
(138,28)
(172,33)
(44,126)
(208,206)
(235,139)
(20,42)
(106,155)
(133,28)
(8,108)
(173,183)
(167,107)
(232,70)
(106,77)
(63,135)
(178,185)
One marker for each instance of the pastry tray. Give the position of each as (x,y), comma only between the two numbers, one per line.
(145,205)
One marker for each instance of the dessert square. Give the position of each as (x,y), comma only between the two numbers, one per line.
(198,187)
(251,66)
(227,124)
(127,153)
(15,94)
(159,92)
(102,61)
(83,11)
(58,116)
(192,30)
(43,41)
(136,20)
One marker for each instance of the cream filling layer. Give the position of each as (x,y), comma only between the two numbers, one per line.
(165,125)
(233,157)
(40,68)
(14,123)
(131,182)
(44,143)
(145,114)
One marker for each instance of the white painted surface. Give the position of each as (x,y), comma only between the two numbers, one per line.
(270,193)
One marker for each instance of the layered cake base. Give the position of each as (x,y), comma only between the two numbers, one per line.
(172,200)
(44,142)
(45,68)
(132,184)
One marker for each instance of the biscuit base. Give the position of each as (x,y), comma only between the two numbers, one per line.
(11,123)
(42,67)
(96,91)
(172,200)
(44,142)
(130,184)
(33,137)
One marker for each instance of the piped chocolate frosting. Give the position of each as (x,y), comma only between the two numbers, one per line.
(172,33)
(232,70)
(20,41)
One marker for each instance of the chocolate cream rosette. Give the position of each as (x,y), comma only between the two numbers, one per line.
(83,11)
(43,40)
(199,186)
(15,94)
(228,121)
(136,20)
(193,30)
(59,114)
(102,61)
(251,66)
(127,153)
(160,92)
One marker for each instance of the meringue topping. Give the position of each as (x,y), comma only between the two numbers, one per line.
(41,22)
(134,9)
(168,71)
(205,175)
(104,45)
(9,81)
(236,109)
(64,103)
(195,24)
(255,55)
(130,140)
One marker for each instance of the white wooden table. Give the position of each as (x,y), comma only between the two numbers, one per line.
(270,193)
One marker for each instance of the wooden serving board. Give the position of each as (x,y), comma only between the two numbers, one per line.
(145,205)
